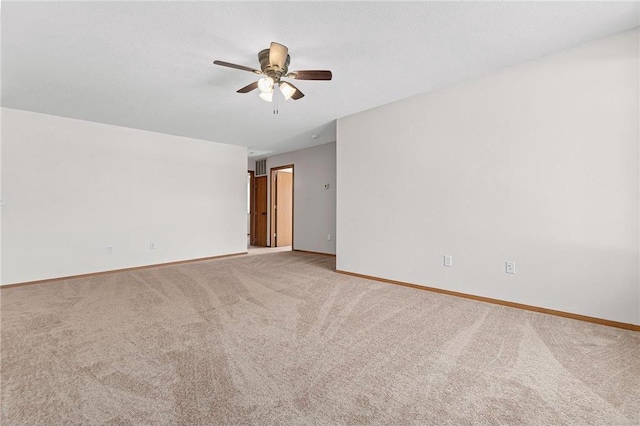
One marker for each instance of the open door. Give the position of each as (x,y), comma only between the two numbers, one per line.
(259,236)
(251,225)
(282,206)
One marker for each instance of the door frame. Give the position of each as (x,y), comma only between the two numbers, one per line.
(252,207)
(272,205)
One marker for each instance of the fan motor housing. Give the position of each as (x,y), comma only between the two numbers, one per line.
(272,71)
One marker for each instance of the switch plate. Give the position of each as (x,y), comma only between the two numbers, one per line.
(510,267)
(448,260)
(109,249)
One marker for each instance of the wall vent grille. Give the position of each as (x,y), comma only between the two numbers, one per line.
(261,167)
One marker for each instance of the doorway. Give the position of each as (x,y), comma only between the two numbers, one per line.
(282,206)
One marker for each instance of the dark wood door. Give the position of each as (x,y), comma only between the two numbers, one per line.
(260,212)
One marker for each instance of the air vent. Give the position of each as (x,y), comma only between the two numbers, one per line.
(261,167)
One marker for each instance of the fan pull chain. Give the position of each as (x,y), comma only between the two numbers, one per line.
(275,104)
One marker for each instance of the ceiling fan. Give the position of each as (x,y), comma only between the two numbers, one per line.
(274,66)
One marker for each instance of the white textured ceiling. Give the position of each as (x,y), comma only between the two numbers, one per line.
(148,65)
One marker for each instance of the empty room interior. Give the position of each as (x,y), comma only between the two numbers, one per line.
(320,213)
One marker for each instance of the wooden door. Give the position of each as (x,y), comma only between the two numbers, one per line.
(260,212)
(284,208)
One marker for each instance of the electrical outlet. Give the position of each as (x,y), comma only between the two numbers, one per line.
(448,260)
(510,267)
(109,249)
(328,237)
(152,245)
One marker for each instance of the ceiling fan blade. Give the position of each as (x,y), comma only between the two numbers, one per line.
(311,75)
(249,87)
(297,94)
(278,54)
(238,67)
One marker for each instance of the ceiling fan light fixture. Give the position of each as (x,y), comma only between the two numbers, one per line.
(265,85)
(287,90)
(274,65)
(267,96)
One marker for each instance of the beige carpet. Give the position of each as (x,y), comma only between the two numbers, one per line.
(252,250)
(282,339)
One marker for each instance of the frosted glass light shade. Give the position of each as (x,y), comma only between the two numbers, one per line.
(287,90)
(265,84)
(267,96)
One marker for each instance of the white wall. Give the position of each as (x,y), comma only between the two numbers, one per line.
(537,164)
(73,187)
(1,197)
(314,207)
